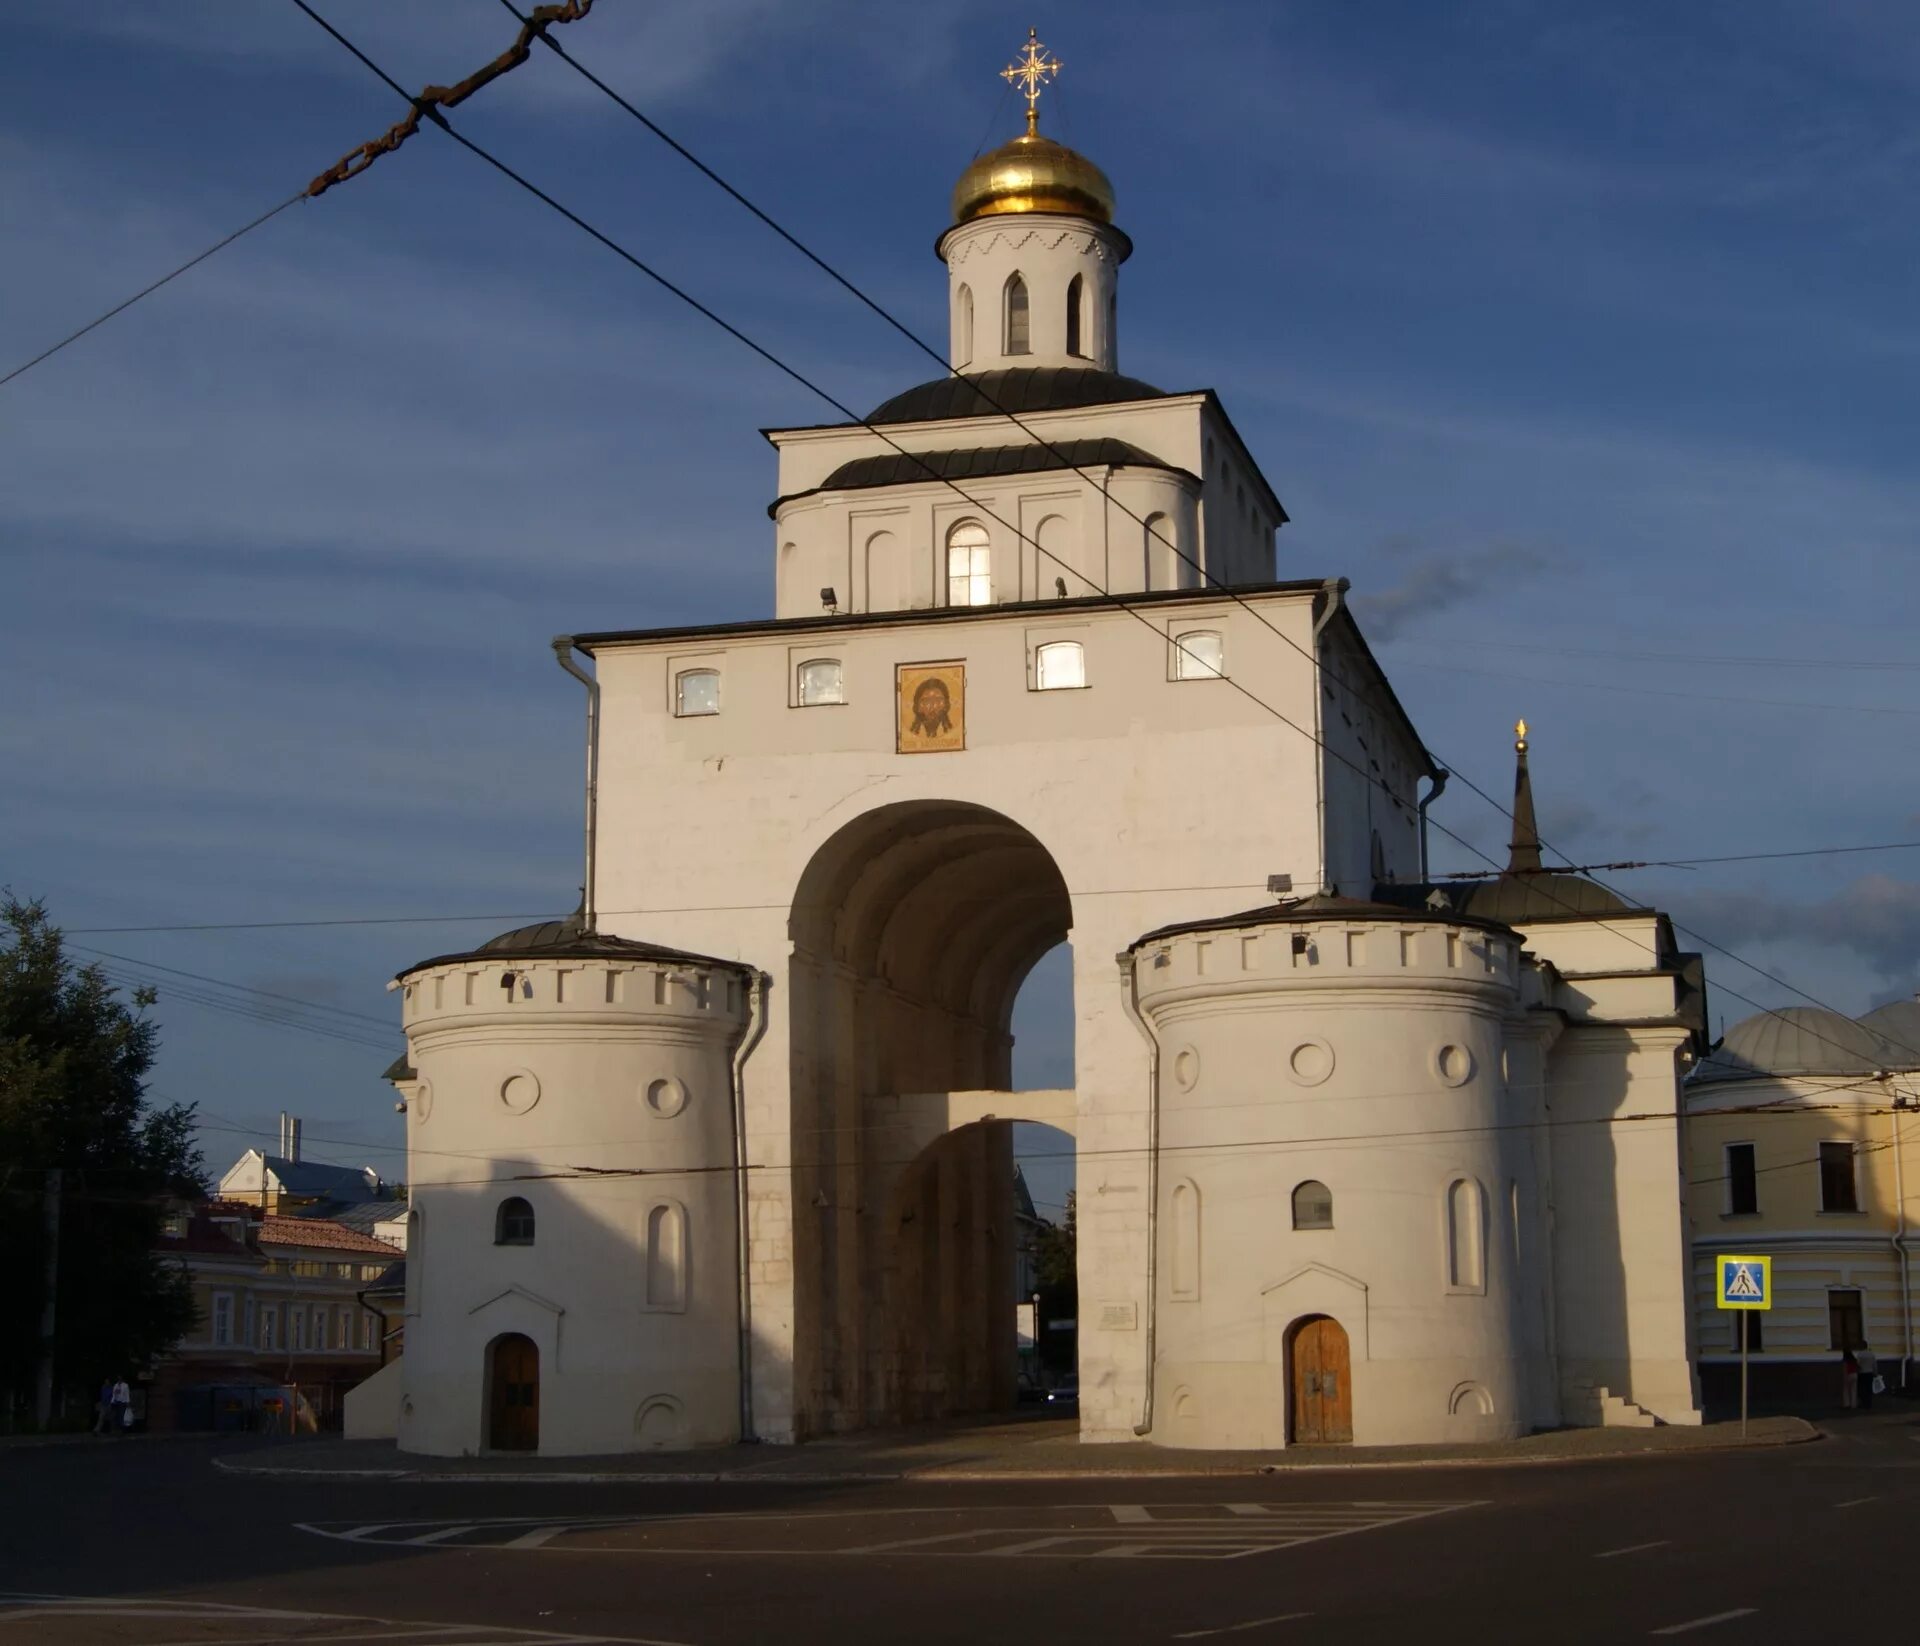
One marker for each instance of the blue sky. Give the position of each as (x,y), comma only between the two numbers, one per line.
(1581,339)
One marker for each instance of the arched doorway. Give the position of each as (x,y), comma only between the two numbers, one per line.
(913,930)
(513,1394)
(1319,1383)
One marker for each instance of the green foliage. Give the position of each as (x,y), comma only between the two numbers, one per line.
(73,1066)
(1056,1271)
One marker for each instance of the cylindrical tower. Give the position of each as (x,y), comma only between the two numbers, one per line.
(1033,261)
(1342,1193)
(571,1259)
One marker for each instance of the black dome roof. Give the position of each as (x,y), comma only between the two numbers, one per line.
(1014,389)
(569,939)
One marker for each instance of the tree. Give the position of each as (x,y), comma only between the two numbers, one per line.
(1056,1270)
(73,1065)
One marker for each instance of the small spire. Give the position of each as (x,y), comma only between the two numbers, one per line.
(1524,852)
(1032,71)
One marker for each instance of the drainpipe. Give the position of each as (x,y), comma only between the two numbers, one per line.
(563,655)
(1438,777)
(1335,589)
(1130,999)
(1900,1239)
(756,1028)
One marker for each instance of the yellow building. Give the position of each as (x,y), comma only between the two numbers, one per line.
(1803,1144)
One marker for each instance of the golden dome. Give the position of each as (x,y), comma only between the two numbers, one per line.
(1033,173)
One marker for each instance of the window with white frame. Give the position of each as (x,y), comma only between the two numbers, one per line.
(343,1329)
(821,681)
(296,1327)
(1059,665)
(696,691)
(1199,654)
(368,1322)
(269,1319)
(319,1325)
(222,1319)
(1018,329)
(969,565)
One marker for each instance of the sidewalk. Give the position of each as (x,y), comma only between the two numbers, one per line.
(1021,1449)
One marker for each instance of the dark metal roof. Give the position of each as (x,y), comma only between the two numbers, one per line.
(895,468)
(1012,389)
(344,1184)
(569,940)
(1526,898)
(399,1069)
(1322,906)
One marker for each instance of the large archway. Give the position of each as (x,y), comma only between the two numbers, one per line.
(913,929)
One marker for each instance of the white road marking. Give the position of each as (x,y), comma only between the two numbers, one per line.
(1235,1628)
(1855,1502)
(1705,1622)
(1634,1548)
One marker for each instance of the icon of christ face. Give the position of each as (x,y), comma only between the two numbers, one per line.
(932,708)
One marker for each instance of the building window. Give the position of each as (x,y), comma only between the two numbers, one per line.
(1466,1236)
(1312,1205)
(1846,1320)
(1756,1320)
(1060,665)
(1199,654)
(1743,1181)
(697,691)
(296,1328)
(1838,1192)
(963,326)
(368,1322)
(969,566)
(249,1320)
(319,1326)
(820,682)
(343,1329)
(222,1319)
(266,1330)
(513,1223)
(1018,333)
(1076,296)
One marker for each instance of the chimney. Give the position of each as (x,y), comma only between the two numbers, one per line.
(282,1150)
(293,1141)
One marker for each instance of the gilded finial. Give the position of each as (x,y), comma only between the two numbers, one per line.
(1520,736)
(1032,71)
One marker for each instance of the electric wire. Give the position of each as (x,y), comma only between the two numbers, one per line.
(147,291)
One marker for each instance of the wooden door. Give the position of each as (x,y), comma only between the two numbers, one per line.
(514,1423)
(1321,1383)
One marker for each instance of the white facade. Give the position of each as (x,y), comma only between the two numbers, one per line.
(1118,767)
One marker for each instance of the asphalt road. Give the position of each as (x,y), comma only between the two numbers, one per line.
(149,1545)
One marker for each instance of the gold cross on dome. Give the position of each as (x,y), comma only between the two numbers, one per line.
(1033,71)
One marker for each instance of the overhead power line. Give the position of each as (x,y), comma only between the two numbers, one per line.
(148,291)
(1118,602)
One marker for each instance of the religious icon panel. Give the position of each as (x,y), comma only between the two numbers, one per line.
(932,716)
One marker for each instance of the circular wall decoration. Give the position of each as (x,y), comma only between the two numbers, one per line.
(422,1103)
(1454,1065)
(666,1098)
(520,1090)
(1310,1062)
(1186,1068)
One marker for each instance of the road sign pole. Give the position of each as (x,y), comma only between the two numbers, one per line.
(1743,1374)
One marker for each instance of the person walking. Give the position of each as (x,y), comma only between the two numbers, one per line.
(121,1407)
(1849,1380)
(1869,1369)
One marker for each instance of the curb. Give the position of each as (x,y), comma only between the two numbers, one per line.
(936,1475)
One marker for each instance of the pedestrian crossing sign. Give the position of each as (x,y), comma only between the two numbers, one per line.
(1744,1282)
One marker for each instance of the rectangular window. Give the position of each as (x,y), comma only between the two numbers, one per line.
(696,691)
(268,1317)
(249,1324)
(1060,665)
(1837,1191)
(1199,655)
(1756,1329)
(368,1323)
(1743,1182)
(1846,1320)
(319,1326)
(343,1329)
(222,1319)
(296,1327)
